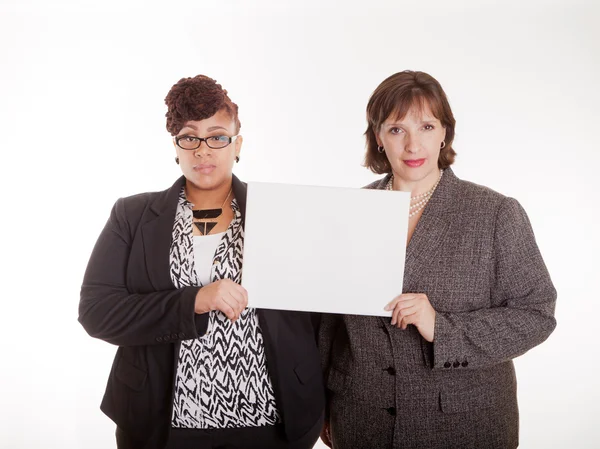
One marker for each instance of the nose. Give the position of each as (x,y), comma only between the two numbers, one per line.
(411,143)
(203,149)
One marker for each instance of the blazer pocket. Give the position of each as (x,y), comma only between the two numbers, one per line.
(466,400)
(338,381)
(131,375)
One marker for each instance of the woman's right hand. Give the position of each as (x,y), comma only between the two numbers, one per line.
(325,434)
(224,295)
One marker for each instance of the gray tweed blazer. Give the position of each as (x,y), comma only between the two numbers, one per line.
(473,253)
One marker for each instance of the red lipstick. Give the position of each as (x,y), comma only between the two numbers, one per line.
(414,163)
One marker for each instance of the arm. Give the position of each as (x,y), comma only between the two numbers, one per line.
(522,296)
(107,310)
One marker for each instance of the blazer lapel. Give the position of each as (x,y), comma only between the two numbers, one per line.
(240,191)
(430,231)
(157,251)
(426,239)
(157,245)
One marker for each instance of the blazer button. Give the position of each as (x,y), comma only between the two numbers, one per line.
(465,364)
(173,336)
(159,339)
(391,371)
(181,335)
(447,365)
(391,411)
(167,337)
(456,364)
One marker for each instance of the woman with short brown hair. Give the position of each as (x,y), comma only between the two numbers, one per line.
(476,294)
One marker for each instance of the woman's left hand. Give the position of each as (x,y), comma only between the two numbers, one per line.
(413,308)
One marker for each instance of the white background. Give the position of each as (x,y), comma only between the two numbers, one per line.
(82,123)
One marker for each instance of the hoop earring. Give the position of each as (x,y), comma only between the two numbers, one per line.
(443,145)
(237,159)
(380,149)
(177,160)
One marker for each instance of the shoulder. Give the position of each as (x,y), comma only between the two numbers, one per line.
(477,202)
(133,208)
(477,197)
(379,184)
(144,198)
(474,191)
(138,202)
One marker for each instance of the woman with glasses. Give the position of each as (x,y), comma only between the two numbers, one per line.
(476,294)
(195,367)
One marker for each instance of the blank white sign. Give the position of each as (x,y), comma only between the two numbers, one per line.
(324,249)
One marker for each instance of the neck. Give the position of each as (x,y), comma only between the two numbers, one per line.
(207,198)
(416,187)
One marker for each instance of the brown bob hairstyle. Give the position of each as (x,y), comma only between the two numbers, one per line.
(395,96)
(197,98)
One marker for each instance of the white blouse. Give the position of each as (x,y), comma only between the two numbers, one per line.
(205,247)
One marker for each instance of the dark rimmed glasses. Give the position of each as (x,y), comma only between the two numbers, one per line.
(193,142)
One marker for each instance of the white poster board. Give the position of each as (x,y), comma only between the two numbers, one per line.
(324,249)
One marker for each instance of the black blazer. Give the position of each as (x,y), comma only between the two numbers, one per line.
(129,300)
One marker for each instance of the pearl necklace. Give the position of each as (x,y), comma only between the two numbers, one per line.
(423,197)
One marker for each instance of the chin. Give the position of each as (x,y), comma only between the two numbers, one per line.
(419,172)
(413,174)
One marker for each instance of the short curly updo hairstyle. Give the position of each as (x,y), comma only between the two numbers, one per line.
(197,98)
(396,95)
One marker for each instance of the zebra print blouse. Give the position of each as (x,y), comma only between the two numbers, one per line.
(222,378)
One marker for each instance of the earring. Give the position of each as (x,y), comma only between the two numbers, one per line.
(177,160)
(443,145)
(380,149)
(237,159)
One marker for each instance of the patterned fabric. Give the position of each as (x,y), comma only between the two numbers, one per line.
(222,378)
(474,255)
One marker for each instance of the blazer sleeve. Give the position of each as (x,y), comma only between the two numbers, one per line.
(522,297)
(109,311)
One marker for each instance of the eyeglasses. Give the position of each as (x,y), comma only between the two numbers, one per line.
(193,143)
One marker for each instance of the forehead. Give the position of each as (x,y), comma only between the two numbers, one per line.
(418,111)
(220,120)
